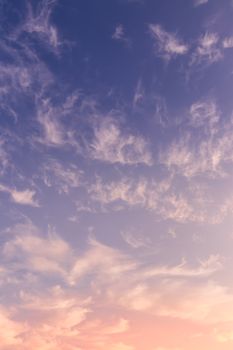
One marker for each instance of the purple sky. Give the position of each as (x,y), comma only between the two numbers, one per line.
(116,164)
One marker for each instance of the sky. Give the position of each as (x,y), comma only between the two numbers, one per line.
(116,174)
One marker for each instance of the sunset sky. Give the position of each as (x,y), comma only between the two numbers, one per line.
(116,175)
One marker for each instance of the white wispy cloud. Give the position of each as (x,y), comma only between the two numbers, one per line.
(212,152)
(52,128)
(188,161)
(111,144)
(38,254)
(208,49)
(204,114)
(21,78)
(25,197)
(139,94)
(208,303)
(129,192)
(195,202)
(60,315)
(63,178)
(49,116)
(97,258)
(62,320)
(119,33)
(159,197)
(228,43)
(180,208)
(108,265)
(135,293)
(130,283)
(21,81)
(4,158)
(168,45)
(213,303)
(38,23)
(208,267)
(135,240)
(56,314)
(200,2)
(13,76)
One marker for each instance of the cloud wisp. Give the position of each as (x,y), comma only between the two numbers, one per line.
(168,45)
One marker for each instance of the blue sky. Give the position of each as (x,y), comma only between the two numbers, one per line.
(116,165)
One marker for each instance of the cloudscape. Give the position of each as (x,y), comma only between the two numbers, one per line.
(116,175)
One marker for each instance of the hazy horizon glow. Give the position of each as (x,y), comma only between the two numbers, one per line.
(116,175)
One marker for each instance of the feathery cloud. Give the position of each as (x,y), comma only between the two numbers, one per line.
(168,45)
(208,50)
(63,178)
(200,2)
(228,43)
(119,33)
(25,197)
(113,145)
(38,23)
